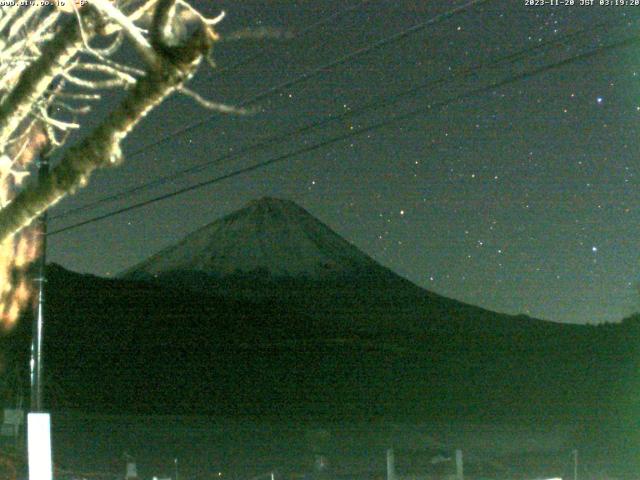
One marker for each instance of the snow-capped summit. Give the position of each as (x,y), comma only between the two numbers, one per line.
(268,235)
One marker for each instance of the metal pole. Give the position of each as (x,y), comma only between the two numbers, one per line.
(575,465)
(175,462)
(38,318)
(391,465)
(459,465)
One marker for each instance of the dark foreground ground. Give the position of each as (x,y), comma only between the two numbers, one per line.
(314,375)
(208,448)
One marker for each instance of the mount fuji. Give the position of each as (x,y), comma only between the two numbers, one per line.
(274,250)
(269,235)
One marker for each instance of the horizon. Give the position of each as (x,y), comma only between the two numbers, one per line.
(267,199)
(518,198)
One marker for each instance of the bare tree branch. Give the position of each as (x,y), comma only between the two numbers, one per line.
(101,148)
(130,29)
(258,34)
(37,77)
(210,105)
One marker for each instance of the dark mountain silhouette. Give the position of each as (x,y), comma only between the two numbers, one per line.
(274,250)
(309,326)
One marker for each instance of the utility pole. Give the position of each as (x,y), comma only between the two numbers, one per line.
(39,422)
(38,318)
(391,464)
(459,465)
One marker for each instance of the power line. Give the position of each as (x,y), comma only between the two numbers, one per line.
(319,70)
(361,131)
(462,73)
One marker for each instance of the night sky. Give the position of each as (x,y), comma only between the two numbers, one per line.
(522,199)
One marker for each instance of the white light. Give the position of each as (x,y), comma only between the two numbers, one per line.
(39,444)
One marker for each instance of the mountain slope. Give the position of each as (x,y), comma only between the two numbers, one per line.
(270,235)
(133,346)
(274,250)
